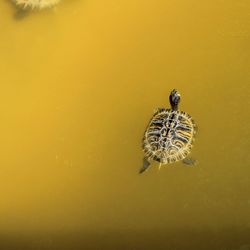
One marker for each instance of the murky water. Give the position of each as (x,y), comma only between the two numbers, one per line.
(78,86)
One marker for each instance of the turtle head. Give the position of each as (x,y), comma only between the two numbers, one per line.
(174,99)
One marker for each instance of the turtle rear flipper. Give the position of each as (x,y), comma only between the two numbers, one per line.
(145,166)
(190,161)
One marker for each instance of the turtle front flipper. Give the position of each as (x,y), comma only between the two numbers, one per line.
(190,161)
(145,166)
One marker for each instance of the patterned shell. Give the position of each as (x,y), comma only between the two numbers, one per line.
(169,136)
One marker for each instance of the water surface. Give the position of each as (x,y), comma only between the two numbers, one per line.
(78,86)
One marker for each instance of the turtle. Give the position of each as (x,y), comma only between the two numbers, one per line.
(35,4)
(169,135)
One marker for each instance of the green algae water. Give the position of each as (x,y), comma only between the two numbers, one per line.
(79,84)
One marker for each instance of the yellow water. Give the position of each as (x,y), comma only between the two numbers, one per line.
(78,86)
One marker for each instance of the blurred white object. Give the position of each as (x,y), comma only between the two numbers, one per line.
(36,4)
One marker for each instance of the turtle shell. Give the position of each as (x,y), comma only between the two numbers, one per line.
(169,136)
